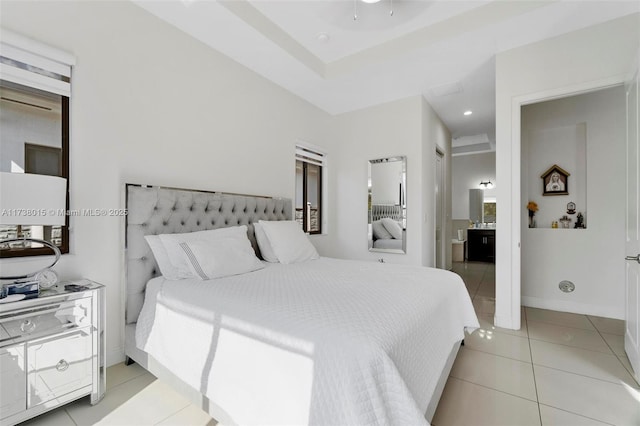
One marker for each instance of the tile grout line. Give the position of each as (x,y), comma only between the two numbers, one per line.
(499,356)
(172,414)
(69,415)
(533,372)
(570,346)
(563,325)
(582,375)
(611,349)
(495,390)
(576,414)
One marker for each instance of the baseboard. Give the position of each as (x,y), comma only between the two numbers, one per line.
(573,307)
(114,356)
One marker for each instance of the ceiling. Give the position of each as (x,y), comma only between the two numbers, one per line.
(443,50)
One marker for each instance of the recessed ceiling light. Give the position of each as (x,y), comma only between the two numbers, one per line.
(323,38)
(468,112)
(370,1)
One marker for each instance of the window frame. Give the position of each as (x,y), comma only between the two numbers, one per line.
(307,155)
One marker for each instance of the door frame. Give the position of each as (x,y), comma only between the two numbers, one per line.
(441,249)
(631,342)
(508,239)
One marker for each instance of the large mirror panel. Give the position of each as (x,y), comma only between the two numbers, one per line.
(387,204)
(34,139)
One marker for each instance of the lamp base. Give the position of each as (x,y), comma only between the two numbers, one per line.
(56,252)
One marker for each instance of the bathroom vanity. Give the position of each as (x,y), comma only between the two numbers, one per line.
(481,245)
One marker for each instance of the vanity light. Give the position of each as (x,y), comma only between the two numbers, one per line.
(486,184)
(468,112)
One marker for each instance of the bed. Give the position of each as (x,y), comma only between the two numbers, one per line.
(325,341)
(382,219)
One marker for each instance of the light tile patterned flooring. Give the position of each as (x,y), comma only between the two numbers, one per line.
(559,369)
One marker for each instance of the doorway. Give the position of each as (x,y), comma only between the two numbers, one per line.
(440,212)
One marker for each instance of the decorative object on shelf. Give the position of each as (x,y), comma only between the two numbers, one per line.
(35,200)
(554,224)
(565,220)
(555,181)
(47,279)
(580,222)
(571,207)
(532,206)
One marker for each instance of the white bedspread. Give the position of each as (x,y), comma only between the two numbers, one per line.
(327,341)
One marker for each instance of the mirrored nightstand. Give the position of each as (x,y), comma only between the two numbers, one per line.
(51,350)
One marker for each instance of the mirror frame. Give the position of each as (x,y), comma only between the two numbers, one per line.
(402,204)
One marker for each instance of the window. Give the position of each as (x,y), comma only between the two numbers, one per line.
(35,86)
(309,168)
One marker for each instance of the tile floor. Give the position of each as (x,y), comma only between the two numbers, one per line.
(559,369)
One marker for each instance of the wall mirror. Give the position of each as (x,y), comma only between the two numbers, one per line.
(34,139)
(476,198)
(387,203)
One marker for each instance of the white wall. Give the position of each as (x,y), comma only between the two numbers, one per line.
(152,105)
(552,255)
(468,172)
(407,127)
(435,136)
(387,130)
(549,141)
(593,57)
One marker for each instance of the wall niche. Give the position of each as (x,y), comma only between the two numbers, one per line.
(554,172)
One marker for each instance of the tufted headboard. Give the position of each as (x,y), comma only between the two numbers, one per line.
(378,211)
(158,210)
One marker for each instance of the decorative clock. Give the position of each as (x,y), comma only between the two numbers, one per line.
(47,279)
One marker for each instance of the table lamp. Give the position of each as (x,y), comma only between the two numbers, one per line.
(31,199)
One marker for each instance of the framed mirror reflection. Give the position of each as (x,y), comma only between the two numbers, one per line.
(387,204)
(34,139)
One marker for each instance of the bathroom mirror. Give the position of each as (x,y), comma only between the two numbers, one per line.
(476,199)
(387,203)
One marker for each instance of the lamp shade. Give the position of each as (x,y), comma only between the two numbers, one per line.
(30,199)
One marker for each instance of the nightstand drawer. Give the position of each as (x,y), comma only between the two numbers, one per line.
(58,365)
(47,319)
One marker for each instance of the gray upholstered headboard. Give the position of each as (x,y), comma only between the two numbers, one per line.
(378,211)
(158,210)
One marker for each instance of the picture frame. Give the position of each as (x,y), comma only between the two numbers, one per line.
(555,181)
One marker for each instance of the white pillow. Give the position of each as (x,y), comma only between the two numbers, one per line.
(176,255)
(265,246)
(289,243)
(222,257)
(379,231)
(162,258)
(392,227)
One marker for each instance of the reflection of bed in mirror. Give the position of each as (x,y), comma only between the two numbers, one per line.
(386,226)
(387,204)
